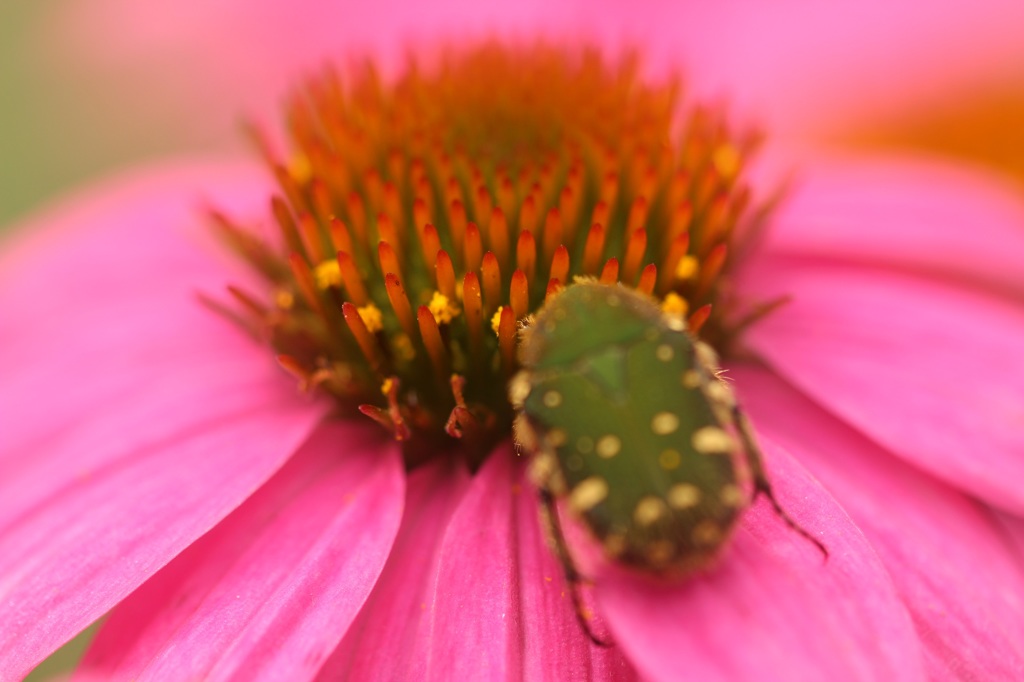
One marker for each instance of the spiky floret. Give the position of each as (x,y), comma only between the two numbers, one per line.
(422,221)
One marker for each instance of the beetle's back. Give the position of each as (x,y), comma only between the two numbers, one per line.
(629,426)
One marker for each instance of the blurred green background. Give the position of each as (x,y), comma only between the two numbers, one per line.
(23,175)
(48,121)
(60,126)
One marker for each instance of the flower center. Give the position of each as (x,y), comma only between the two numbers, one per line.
(423,221)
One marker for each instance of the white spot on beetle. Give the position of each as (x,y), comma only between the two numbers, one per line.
(518,389)
(552,398)
(670,459)
(649,509)
(731,495)
(659,552)
(675,322)
(588,493)
(608,446)
(615,544)
(712,440)
(707,533)
(719,392)
(684,496)
(664,423)
(556,437)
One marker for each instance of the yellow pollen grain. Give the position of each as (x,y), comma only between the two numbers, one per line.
(328,274)
(674,304)
(691,379)
(608,446)
(664,423)
(552,398)
(403,347)
(371,317)
(687,268)
(386,386)
(496,320)
(664,352)
(711,440)
(443,310)
(649,509)
(588,493)
(670,459)
(683,496)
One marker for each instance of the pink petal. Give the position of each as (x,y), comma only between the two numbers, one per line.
(498,607)
(773,609)
(134,419)
(804,69)
(270,591)
(150,221)
(951,565)
(474,618)
(1013,530)
(381,642)
(83,536)
(927,217)
(929,370)
(555,646)
(82,281)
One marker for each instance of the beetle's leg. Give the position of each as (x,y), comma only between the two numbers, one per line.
(761,485)
(549,513)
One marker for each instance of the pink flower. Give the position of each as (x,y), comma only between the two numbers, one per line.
(156,462)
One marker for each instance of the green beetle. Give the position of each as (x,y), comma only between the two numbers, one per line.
(627,419)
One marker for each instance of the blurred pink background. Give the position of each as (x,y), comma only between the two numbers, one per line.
(93,85)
